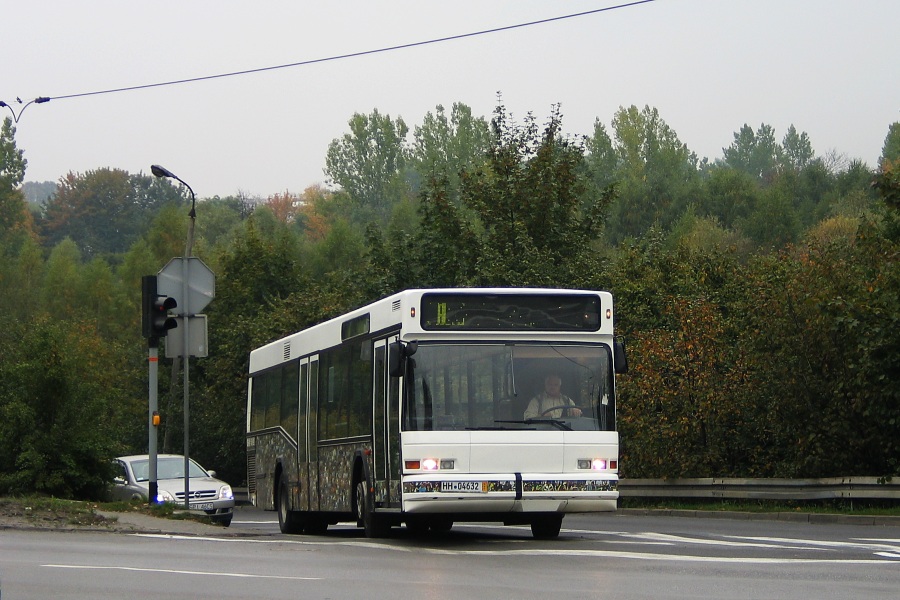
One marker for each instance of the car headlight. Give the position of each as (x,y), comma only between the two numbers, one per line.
(164,496)
(225,493)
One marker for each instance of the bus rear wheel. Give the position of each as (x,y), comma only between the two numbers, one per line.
(289,521)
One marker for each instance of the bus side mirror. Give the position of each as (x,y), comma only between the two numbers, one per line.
(620,360)
(397,355)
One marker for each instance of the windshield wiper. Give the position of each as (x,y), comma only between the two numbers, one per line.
(562,425)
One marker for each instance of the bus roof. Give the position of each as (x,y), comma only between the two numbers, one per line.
(399,312)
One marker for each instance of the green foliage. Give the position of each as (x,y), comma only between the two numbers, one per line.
(368,162)
(15,220)
(538,221)
(891,149)
(58,410)
(753,153)
(444,148)
(104,211)
(657,174)
(757,294)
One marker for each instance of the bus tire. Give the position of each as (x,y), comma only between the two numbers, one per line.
(373,524)
(441,525)
(289,521)
(316,525)
(546,527)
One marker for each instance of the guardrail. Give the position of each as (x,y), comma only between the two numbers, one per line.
(870,488)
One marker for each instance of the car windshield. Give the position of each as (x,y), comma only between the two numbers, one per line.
(166,468)
(510,386)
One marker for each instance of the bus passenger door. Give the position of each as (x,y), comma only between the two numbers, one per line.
(303,437)
(385,427)
(310,467)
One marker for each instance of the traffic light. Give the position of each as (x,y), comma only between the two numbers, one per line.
(155,319)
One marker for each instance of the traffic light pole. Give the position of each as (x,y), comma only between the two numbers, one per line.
(153,417)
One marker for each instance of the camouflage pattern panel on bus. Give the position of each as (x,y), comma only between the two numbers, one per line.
(273,446)
(336,473)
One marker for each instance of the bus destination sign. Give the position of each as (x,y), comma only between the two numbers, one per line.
(504,312)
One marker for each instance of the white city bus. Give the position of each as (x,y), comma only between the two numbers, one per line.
(412,410)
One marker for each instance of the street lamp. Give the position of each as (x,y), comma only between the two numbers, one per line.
(159,171)
(38,100)
(164,172)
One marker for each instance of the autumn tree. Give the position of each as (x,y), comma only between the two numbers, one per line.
(284,206)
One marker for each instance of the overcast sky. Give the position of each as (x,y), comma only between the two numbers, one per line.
(829,67)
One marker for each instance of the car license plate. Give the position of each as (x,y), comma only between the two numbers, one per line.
(464,486)
(202,506)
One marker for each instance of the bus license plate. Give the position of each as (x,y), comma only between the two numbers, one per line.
(464,486)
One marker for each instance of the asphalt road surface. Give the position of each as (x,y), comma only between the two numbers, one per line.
(596,556)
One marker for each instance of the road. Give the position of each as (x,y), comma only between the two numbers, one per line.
(596,556)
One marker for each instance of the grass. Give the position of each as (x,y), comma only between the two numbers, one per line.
(48,510)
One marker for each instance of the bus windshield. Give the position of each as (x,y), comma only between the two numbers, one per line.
(516,386)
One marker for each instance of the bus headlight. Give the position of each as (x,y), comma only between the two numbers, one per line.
(597,464)
(430,464)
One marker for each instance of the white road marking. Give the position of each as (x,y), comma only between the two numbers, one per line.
(178,572)
(556,551)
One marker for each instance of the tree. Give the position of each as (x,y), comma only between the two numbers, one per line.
(105,211)
(657,173)
(891,149)
(754,153)
(284,206)
(797,150)
(601,157)
(730,195)
(368,162)
(14,215)
(445,147)
(59,409)
(537,217)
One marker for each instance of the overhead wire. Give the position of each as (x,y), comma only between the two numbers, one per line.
(351,54)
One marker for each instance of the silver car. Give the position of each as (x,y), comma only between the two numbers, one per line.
(211,495)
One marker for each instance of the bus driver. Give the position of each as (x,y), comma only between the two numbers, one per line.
(551,398)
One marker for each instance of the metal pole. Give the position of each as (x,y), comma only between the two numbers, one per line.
(153,411)
(187,418)
(185,273)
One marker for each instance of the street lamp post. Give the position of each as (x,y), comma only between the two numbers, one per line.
(159,171)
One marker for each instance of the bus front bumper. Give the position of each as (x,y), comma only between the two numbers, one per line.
(537,493)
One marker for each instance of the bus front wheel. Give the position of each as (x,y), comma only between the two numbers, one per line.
(374,525)
(546,527)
